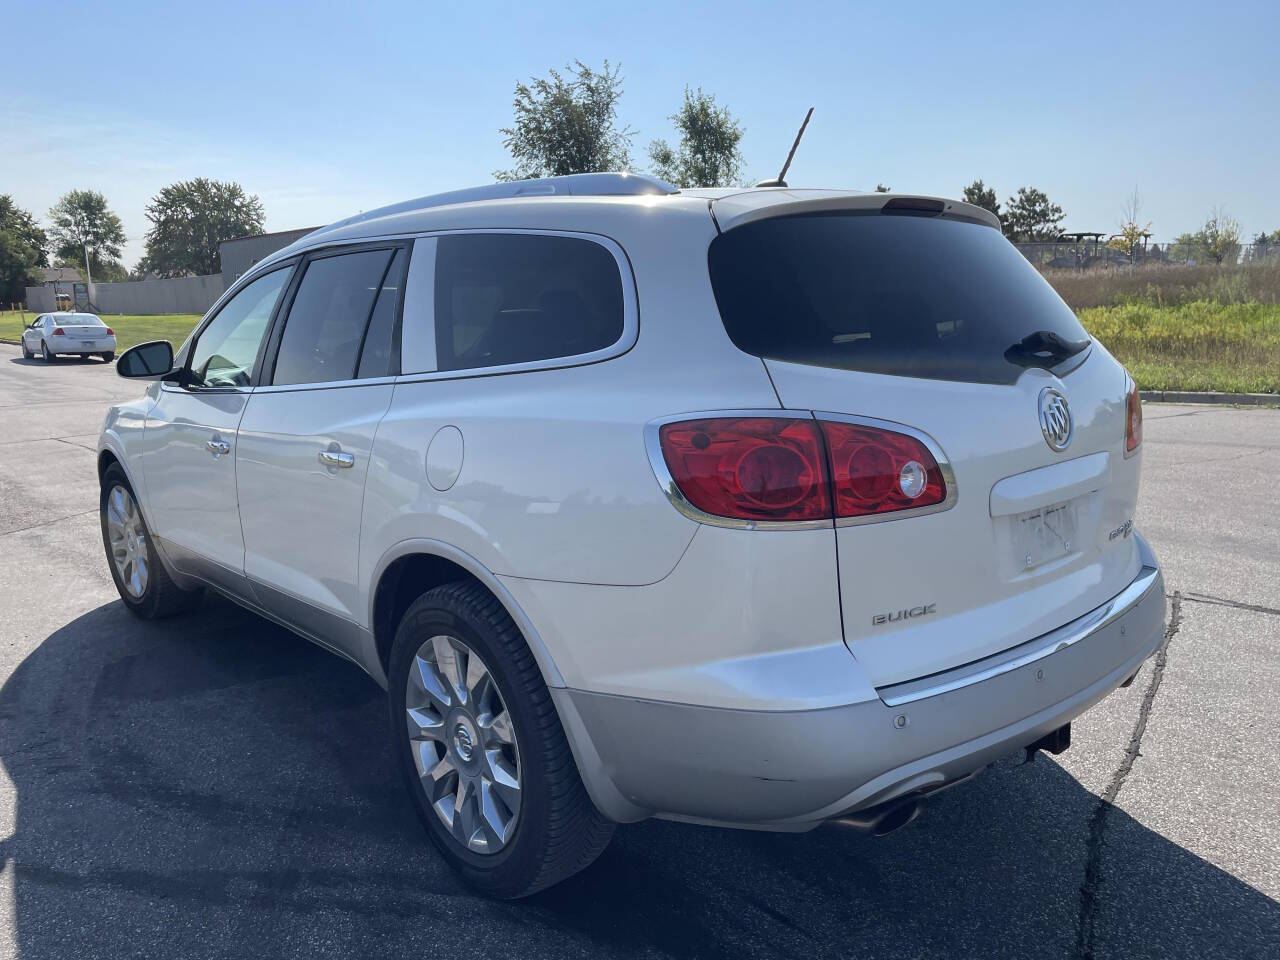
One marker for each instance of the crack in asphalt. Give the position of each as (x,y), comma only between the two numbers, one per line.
(1235,604)
(45,523)
(1086,923)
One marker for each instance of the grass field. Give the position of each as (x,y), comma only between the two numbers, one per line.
(1199,345)
(129,330)
(1185,328)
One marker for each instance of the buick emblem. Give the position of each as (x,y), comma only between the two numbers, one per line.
(1055,419)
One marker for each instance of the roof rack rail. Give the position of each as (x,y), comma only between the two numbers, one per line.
(570,185)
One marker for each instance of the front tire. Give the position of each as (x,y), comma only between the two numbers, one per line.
(26,351)
(139,574)
(482,750)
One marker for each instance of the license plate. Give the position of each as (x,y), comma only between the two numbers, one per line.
(90,343)
(1046,534)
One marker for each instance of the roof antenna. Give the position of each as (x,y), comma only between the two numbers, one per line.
(781,181)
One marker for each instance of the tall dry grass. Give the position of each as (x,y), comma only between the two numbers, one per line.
(1164,285)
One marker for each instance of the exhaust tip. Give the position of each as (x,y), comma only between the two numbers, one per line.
(884,818)
(897,818)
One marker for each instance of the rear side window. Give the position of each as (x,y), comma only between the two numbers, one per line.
(325,329)
(516,298)
(375,356)
(904,295)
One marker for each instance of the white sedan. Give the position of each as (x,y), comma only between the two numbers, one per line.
(51,334)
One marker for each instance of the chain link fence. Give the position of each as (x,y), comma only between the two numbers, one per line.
(1089,252)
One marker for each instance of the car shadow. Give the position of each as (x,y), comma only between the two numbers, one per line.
(213,785)
(40,362)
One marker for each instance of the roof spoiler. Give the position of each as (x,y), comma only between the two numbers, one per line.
(738,209)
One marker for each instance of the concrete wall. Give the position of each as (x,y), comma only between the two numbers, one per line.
(40,299)
(240,254)
(180,295)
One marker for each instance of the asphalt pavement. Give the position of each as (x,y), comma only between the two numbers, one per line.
(214,786)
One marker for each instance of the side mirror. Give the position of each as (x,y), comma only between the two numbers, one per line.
(146,361)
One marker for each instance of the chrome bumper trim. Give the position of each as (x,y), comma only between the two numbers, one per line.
(1042,646)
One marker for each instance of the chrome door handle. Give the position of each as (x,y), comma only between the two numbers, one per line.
(335,458)
(217,447)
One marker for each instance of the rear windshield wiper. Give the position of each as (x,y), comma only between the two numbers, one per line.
(1043,348)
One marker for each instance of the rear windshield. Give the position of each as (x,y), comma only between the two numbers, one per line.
(904,295)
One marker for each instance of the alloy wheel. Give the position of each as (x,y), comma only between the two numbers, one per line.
(463,743)
(128,537)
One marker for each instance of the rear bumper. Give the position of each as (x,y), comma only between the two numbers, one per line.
(73,345)
(792,769)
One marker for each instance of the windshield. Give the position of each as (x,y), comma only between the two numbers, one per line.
(898,294)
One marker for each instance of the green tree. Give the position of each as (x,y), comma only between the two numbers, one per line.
(980,195)
(1132,233)
(1221,237)
(1029,217)
(567,124)
(22,250)
(708,154)
(82,219)
(188,221)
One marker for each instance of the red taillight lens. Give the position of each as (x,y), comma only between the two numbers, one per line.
(110,332)
(58,332)
(771,469)
(1132,418)
(749,468)
(879,471)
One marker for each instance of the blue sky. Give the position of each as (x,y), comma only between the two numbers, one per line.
(327,109)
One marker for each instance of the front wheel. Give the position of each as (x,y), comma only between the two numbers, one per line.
(140,575)
(482,749)
(26,351)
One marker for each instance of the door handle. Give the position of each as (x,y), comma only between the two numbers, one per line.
(217,447)
(336,458)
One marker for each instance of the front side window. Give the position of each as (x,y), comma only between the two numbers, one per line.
(325,329)
(225,352)
(517,298)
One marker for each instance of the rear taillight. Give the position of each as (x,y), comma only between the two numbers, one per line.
(59,332)
(879,471)
(110,332)
(773,469)
(749,468)
(1132,418)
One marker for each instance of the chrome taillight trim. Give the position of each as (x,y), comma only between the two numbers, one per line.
(653,446)
(944,465)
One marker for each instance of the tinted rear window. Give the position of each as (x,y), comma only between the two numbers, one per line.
(516,298)
(904,295)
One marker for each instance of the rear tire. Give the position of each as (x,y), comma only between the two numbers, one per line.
(140,575)
(45,354)
(107,357)
(556,830)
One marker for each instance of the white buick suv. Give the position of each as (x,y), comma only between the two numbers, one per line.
(756,508)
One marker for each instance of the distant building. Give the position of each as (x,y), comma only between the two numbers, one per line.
(239,254)
(64,288)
